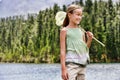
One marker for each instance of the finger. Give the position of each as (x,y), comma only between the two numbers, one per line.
(64,77)
(89,34)
(67,76)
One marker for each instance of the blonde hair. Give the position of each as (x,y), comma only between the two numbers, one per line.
(70,9)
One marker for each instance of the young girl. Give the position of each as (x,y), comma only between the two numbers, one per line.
(74,49)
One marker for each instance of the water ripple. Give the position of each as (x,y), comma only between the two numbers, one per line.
(52,71)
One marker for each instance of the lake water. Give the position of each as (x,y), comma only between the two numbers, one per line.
(52,71)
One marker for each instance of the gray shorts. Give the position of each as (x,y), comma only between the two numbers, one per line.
(75,71)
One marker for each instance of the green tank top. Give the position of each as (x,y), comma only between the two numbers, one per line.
(77,50)
(75,41)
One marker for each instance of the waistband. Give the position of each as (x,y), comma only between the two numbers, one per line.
(80,65)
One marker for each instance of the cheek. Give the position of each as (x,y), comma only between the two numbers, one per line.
(73,18)
(78,18)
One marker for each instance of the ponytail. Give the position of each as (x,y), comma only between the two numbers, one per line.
(66,21)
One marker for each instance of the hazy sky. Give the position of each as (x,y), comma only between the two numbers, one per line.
(17,7)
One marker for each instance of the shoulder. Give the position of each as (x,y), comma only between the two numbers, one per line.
(82,29)
(63,31)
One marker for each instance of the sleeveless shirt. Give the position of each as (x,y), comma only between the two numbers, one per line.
(77,50)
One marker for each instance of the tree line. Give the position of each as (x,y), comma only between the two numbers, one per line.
(35,38)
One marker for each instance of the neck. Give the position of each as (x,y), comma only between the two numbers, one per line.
(72,25)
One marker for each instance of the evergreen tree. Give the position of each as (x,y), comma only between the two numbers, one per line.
(64,8)
(36,38)
(81,2)
(88,6)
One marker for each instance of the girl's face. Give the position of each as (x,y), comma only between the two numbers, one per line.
(76,16)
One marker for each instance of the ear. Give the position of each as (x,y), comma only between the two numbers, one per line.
(69,15)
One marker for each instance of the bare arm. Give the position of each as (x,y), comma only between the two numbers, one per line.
(63,53)
(62,48)
(89,38)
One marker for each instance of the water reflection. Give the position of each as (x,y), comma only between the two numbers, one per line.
(52,72)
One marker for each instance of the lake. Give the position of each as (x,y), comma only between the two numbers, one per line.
(14,71)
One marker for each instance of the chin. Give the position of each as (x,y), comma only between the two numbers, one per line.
(78,23)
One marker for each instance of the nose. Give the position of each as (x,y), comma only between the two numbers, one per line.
(80,17)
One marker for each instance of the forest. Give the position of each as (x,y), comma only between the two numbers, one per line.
(35,38)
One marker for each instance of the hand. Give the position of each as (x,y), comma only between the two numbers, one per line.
(64,74)
(89,35)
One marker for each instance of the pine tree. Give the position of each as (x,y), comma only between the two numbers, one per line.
(88,6)
(81,2)
(64,8)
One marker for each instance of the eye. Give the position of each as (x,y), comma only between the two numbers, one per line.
(79,14)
